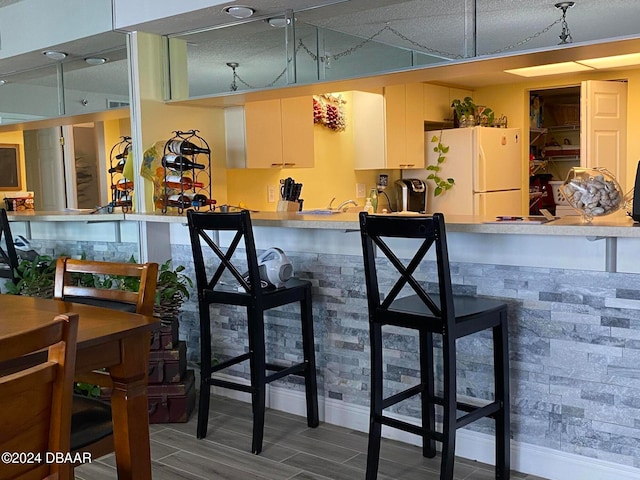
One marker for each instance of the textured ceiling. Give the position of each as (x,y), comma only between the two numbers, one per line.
(427,25)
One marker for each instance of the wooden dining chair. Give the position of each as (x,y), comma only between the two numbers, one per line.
(8,256)
(79,281)
(35,401)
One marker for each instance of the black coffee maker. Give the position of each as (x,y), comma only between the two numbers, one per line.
(411,195)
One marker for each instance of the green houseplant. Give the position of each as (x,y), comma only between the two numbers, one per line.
(35,277)
(171,292)
(442,185)
(465,111)
(468,114)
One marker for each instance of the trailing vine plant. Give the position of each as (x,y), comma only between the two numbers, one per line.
(442,185)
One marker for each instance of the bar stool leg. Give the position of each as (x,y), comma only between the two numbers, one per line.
(310,381)
(427,379)
(258,375)
(205,370)
(449,410)
(375,425)
(501,380)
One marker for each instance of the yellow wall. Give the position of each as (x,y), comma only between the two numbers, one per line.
(14,138)
(160,120)
(513,101)
(333,174)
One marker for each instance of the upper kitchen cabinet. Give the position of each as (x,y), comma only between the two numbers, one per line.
(437,100)
(270,134)
(404,126)
(388,128)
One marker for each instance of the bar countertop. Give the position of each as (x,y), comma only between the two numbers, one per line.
(616,225)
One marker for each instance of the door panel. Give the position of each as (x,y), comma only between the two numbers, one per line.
(603,127)
(44,168)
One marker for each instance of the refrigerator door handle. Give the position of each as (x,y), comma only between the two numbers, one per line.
(479,180)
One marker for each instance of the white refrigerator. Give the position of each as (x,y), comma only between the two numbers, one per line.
(486,164)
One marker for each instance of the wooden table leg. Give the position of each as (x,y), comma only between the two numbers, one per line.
(130,409)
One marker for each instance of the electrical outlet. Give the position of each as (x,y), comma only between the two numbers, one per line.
(271,193)
(361,190)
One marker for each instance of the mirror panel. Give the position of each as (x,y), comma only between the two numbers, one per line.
(30,95)
(92,88)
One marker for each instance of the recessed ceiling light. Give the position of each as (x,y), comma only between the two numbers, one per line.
(239,11)
(550,69)
(3,82)
(53,55)
(95,60)
(279,22)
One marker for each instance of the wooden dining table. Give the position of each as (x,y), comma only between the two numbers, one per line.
(118,341)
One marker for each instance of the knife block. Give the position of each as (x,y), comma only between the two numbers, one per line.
(287,206)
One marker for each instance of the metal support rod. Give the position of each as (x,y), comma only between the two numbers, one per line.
(470,31)
(290,47)
(611,254)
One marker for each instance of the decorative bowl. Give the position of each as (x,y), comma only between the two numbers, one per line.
(592,192)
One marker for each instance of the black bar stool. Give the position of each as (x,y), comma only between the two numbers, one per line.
(8,257)
(443,313)
(248,294)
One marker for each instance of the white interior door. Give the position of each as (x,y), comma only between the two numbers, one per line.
(603,127)
(44,168)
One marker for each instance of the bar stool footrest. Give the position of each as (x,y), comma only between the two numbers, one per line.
(231,362)
(410,427)
(297,369)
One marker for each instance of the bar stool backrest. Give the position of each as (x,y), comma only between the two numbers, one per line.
(376,230)
(8,257)
(201,226)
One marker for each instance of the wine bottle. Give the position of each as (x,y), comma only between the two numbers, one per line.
(124,201)
(200,200)
(180,201)
(183,147)
(123,184)
(175,181)
(118,167)
(178,162)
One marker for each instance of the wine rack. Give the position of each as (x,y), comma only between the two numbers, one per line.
(187,153)
(121,187)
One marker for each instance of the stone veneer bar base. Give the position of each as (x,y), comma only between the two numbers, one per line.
(575,351)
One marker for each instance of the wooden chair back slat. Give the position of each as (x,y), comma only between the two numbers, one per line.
(143,300)
(35,402)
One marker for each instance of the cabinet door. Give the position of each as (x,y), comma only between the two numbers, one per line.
(395,126)
(603,127)
(297,132)
(234,132)
(368,128)
(436,104)
(263,134)
(414,121)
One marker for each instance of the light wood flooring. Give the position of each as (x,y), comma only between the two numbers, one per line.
(291,451)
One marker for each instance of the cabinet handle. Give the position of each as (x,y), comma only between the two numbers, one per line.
(276,164)
(289,164)
(407,165)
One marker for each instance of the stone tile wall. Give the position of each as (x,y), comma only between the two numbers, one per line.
(574,339)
